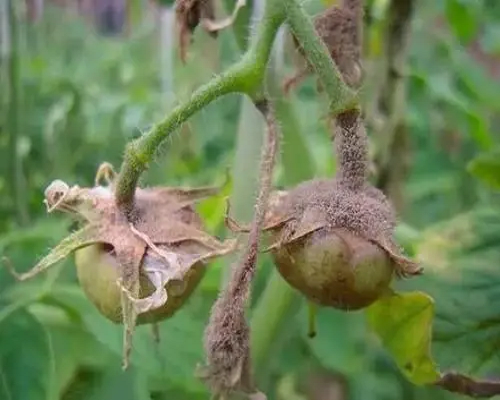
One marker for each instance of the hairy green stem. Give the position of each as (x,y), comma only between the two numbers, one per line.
(246,76)
(140,152)
(240,25)
(340,95)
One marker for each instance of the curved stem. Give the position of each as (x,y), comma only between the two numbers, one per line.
(246,76)
(140,152)
(340,95)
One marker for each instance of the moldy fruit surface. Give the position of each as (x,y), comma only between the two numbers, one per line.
(335,268)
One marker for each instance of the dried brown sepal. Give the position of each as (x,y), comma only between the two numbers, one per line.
(191,13)
(340,28)
(228,367)
(272,219)
(327,204)
(138,272)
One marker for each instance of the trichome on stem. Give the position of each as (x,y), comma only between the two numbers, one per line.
(227,334)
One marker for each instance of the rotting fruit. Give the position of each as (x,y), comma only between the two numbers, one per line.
(155,258)
(331,266)
(98,273)
(332,239)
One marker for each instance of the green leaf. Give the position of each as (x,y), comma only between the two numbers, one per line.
(168,364)
(118,384)
(403,322)
(461,18)
(213,209)
(460,258)
(25,359)
(486,167)
(338,344)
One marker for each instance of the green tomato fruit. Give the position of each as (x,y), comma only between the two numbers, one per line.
(98,272)
(336,269)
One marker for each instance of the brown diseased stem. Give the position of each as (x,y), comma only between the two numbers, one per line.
(392,158)
(351,144)
(241,279)
(458,383)
(227,334)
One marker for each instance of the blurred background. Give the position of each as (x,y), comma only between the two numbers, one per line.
(81,78)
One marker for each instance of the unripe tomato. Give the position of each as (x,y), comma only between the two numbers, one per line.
(98,272)
(335,268)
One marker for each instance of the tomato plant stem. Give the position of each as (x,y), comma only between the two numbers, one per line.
(246,76)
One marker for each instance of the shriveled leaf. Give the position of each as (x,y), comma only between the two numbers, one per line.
(403,322)
(214,26)
(130,260)
(462,19)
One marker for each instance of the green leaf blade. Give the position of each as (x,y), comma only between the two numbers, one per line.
(403,322)
(486,167)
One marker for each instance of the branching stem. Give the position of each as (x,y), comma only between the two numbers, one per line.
(246,76)
(341,97)
(242,279)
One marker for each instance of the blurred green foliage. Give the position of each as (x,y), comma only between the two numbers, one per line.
(83,96)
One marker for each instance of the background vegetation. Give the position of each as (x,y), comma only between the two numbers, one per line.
(76,86)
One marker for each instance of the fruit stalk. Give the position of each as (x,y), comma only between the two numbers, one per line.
(351,145)
(341,97)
